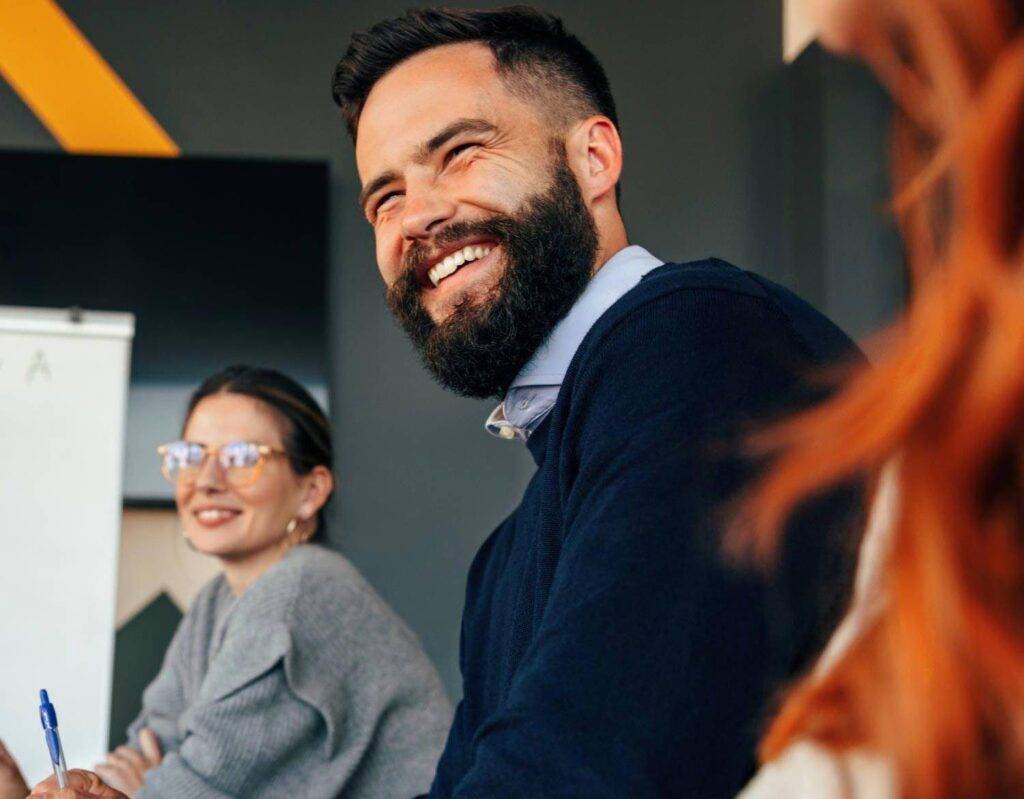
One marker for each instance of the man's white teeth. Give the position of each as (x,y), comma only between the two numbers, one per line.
(451,263)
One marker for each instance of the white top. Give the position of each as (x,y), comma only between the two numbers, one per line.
(809,771)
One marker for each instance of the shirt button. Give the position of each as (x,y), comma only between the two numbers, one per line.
(507,432)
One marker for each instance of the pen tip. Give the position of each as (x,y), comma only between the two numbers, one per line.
(44,698)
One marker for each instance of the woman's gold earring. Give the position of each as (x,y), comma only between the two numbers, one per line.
(292,540)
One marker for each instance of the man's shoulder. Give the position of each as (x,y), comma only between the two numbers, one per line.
(707,273)
(660,296)
(676,300)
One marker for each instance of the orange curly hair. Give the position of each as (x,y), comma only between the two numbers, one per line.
(937,679)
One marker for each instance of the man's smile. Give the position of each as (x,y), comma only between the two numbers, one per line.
(447,260)
(450,264)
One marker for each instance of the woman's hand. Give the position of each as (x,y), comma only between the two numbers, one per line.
(82,785)
(12,784)
(125,769)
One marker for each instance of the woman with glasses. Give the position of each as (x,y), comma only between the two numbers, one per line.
(288,676)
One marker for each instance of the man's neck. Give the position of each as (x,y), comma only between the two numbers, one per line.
(611,238)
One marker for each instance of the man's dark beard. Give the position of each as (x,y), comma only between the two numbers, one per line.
(549,247)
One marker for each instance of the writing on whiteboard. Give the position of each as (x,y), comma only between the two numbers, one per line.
(38,367)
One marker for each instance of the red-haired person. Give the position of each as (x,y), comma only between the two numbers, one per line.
(921,693)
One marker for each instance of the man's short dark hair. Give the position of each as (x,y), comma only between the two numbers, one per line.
(534,54)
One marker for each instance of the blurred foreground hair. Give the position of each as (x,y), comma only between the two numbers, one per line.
(937,678)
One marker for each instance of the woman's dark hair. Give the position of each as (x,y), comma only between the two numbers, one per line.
(535,55)
(307,438)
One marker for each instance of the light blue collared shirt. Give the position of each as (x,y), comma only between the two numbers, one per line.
(533,393)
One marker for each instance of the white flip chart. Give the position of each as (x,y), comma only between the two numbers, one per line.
(63,389)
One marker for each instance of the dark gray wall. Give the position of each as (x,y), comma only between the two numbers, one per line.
(844,239)
(709,121)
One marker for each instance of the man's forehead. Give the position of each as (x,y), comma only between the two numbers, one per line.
(420,96)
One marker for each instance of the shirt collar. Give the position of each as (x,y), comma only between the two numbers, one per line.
(619,274)
(534,391)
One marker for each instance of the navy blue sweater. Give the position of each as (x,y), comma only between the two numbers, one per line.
(608,648)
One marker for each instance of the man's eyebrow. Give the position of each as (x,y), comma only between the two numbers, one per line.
(375,184)
(465,125)
(428,148)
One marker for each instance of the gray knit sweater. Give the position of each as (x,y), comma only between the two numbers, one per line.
(307,685)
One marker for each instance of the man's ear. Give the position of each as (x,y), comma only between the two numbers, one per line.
(594,150)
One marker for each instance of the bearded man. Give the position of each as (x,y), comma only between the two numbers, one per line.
(608,650)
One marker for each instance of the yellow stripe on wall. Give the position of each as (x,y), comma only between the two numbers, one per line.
(68,85)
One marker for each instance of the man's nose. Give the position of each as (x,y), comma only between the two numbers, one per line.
(423,213)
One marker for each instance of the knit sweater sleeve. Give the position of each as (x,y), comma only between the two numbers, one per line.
(164,699)
(246,726)
(162,703)
(654,659)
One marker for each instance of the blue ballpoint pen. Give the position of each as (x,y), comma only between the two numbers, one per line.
(48,716)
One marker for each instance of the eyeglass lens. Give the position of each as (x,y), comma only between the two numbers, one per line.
(239,460)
